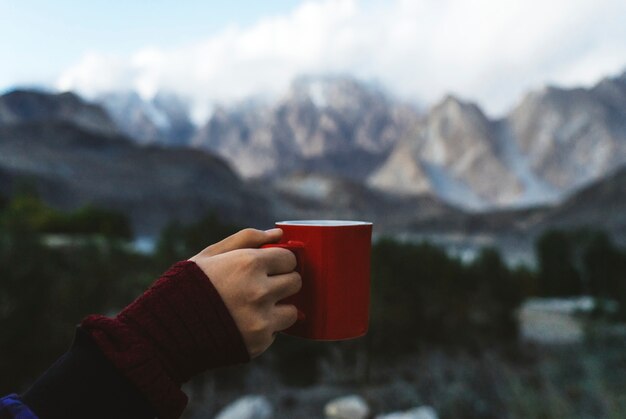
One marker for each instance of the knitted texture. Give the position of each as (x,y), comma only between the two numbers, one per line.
(178,328)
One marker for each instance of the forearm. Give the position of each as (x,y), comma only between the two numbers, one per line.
(133,365)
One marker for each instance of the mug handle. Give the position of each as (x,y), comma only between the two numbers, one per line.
(297,248)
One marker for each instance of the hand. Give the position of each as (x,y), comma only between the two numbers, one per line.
(252,282)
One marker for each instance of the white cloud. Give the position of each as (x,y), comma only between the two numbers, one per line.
(484,50)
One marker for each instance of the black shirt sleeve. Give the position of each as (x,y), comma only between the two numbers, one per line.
(85,384)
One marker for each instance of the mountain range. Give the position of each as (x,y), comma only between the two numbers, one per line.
(331,147)
(553,142)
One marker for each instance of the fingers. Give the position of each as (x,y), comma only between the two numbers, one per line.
(285,315)
(283,286)
(278,260)
(249,238)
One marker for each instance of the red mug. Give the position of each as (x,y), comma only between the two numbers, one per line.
(334,263)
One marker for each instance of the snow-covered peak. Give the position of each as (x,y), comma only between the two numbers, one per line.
(162,118)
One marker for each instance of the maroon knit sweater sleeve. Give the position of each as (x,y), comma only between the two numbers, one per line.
(178,328)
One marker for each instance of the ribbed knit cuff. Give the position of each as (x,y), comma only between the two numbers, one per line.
(178,328)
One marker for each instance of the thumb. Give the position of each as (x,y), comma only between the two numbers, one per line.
(249,238)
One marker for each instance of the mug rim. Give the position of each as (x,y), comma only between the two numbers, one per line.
(323,223)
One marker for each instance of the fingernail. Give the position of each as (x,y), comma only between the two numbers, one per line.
(273,231)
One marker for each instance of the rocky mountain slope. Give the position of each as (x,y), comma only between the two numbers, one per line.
(454,153)
(72,167)
(24,106)
(572,137)
(164,119)
(554,142)
(324,125)
(599,205)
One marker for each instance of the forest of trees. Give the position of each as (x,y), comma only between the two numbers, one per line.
(420,297)
(582,262)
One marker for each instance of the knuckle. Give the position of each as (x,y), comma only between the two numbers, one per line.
(210,250)
(251,260)
(293,262)
(258,293)
(248,234)
(297,280)
(291,314)
(259,326)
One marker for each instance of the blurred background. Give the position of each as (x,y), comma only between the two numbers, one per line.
(485,140)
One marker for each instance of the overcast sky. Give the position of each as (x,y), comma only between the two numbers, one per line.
(217,51)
